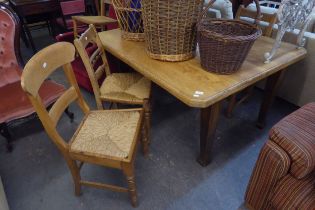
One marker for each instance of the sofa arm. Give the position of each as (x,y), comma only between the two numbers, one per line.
(273,163)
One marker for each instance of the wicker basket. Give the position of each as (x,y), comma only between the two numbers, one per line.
(129,17)
(225,44)
(170,28)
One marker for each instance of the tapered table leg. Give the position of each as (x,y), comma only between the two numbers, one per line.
(271,88)
(208,122)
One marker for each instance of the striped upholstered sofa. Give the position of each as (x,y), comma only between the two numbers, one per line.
(284,175)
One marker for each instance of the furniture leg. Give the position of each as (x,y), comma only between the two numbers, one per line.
(128,170)
(28,33)
(146,127)
(231,106)
(4,130)
(24,38)
(75,172)
(271,88)
(75,29)
(48,27)
(69,114)
(233,102)
(208,121)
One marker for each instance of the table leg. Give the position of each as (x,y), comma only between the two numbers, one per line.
(208,122)
(271,88)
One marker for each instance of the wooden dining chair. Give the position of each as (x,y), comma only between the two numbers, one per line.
(99,21)
(267,18)
(125,88)
(104,137)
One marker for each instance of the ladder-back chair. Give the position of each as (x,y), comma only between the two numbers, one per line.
(266,18)
(104,137)
(125,88)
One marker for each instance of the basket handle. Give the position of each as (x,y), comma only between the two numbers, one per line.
(258,16)
(204,12)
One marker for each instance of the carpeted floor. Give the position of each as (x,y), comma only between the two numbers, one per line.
(35,176)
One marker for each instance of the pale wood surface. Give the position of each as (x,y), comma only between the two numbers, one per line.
(36,71)
(182,79)
(97,20)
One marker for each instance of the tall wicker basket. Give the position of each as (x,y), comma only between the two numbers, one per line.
(129,17)
(170,28)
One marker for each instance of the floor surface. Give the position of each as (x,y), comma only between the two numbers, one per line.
(35,175)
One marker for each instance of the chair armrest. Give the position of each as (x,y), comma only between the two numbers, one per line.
(273,163)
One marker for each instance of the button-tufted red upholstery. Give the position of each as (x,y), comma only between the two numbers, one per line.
(9,67)
(14,103)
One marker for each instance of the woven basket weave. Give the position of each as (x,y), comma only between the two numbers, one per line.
(129,17)
(225,44)
(170,28)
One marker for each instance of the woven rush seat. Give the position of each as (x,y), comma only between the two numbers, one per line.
(106,138)
(116,88)
(124,87)
(106,133)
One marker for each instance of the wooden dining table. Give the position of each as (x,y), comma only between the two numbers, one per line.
(194,86)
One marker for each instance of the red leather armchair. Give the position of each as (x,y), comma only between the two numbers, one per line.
(284,175)
(14,103)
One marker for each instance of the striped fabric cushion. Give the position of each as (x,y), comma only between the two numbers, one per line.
(292,193)
(296,135)
(272,165)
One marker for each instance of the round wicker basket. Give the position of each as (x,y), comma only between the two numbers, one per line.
(129,17)
(225,44)
(170,28)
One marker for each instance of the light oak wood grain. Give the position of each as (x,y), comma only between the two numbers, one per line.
(183,79)
(36,71)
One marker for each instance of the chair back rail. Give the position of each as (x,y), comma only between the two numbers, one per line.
(36,71)
(90,36)
(271,19)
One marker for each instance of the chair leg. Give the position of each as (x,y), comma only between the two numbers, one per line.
(75,172)
(128,170)
(69,114)
(30,38)
(231,106)
(234,102)
(113,105)
(146,127)
(4,130)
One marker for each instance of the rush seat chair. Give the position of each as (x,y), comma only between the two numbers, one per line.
(104,137)
(124,88)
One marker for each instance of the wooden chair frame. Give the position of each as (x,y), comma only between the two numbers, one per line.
(90,36)
(269,18)
(35,72)
(98,20)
